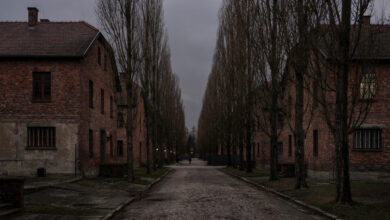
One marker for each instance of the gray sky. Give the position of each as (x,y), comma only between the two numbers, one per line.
(191,24)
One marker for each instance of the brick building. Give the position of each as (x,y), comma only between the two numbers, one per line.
(58,85)
(369,145)
(139,129)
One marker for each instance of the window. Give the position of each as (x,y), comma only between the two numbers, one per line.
(99,56)
(41,87)
(105,62)
(368,86)
(41,137)
(102,101)
(280,148)
(121,120)
(111,107)
(90,143)
(289,145)
(120,148)
(367,139)
(140,151)
(280,121)
(90,94)
(315,93)
(111,147)
(315,143)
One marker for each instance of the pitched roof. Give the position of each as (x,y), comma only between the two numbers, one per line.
(46,39)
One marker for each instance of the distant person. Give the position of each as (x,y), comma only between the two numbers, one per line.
(189,159)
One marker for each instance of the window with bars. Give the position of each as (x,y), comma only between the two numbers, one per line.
(41,137)
(367,139)
(368,86)
(120,148)
(90,143)
(41,87)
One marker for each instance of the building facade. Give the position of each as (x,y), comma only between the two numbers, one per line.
(58,85)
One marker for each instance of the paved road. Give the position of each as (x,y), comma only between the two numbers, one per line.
(201,192)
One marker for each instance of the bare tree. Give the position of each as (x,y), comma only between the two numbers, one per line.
(121,22)
(344,39)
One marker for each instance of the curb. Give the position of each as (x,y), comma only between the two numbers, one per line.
(127,202)
(285,197)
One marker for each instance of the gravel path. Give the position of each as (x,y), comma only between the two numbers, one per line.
(200,192)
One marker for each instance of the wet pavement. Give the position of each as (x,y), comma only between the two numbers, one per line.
(198,191)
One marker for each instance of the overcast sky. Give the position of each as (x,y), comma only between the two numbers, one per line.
(191,24)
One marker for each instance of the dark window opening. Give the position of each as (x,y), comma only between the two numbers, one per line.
(315,143)
(41,87)
(289,145)
(367,139)
(41,137)
(280,121)
(140,151)
(315,93)
(102,101)
(99,56)
(120,148)
(111,147)
(90,94)
(90,143)
(121,120)
(105,62)
(280,148)
(111,107)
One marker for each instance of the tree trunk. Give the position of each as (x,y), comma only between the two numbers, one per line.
(274,95)
(129,91)
(300,72)
(248,147)
(228,148)
(341,115)
(129,133)
(241,150)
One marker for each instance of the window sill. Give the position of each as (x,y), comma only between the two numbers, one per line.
(41,148)
(367,150)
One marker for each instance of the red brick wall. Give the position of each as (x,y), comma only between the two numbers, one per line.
(16,90)
(92,118)
(359,161)
(139,134)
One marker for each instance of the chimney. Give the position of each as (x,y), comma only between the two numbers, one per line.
(32,16)
(366,20)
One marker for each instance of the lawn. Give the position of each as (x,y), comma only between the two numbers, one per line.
(141,172)
(243,173)
(372,200)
